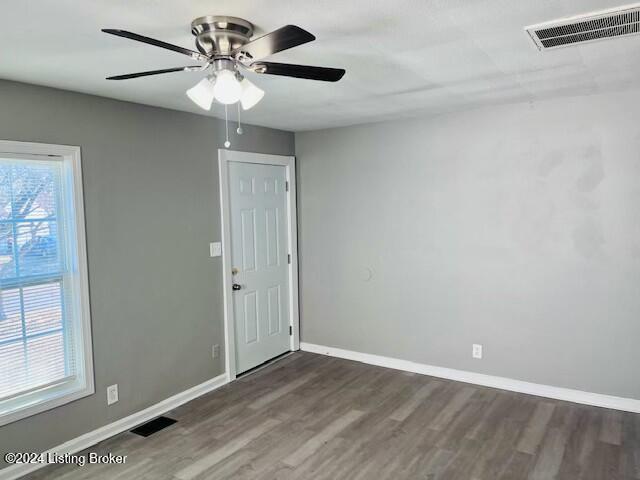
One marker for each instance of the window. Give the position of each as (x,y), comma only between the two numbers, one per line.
(45,347)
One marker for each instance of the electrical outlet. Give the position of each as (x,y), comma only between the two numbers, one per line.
(215,351)
(476,351)
(112,394)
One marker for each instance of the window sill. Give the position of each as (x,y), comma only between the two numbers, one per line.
(32,403)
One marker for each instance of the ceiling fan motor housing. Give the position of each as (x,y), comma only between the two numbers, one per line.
(220,35)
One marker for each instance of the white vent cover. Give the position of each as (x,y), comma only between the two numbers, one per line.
(618,22)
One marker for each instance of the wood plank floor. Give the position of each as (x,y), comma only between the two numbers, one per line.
(319,418)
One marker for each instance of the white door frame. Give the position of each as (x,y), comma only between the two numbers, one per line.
(289,162)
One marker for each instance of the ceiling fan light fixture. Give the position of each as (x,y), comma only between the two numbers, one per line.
(251,94)
(224,45)
(203,93)
(227,89)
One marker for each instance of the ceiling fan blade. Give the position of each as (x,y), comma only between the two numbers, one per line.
(281,39)
(299,71)
(156,43)
(154,72)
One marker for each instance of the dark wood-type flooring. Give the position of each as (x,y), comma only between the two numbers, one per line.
(313,417)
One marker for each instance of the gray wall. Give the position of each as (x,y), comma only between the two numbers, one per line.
(516,227)
(152,207)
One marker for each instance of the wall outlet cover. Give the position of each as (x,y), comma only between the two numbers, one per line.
(476,350)
(112,394)
(215,351)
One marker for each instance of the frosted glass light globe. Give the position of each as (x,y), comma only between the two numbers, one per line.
(250,94)
(202,93)
(227,89)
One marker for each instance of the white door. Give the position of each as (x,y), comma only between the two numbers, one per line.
(259,262)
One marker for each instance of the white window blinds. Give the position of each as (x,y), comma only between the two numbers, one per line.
(41,325)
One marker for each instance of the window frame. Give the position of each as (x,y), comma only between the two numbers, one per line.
(82,385)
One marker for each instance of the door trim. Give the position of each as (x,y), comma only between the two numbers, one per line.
(289,162)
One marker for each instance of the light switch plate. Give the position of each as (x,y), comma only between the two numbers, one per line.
(215,249)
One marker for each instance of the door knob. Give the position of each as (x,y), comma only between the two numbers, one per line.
(236,286)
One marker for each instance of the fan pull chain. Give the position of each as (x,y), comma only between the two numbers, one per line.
(227,143)
(239,129)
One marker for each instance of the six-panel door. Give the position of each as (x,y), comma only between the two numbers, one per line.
(259,249)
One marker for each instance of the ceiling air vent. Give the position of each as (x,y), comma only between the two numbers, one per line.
(618,22)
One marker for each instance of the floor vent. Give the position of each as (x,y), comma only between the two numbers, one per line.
(618,22)
(153,426)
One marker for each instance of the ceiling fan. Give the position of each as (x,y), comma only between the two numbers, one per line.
(226,51)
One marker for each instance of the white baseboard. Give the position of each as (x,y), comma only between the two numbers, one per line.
(91,438)
(548,391)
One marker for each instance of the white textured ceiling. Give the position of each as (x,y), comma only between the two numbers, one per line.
(402,57)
